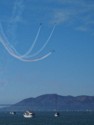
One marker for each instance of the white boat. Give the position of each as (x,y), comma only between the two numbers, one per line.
(56,114)
(28,114)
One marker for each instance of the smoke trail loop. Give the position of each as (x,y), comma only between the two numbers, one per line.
(26,57)
(45,44)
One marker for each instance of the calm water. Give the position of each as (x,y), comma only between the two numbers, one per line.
(66,118)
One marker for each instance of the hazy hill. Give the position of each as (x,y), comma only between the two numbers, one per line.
(52,102)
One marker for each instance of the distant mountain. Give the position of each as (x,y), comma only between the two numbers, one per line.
(52,102)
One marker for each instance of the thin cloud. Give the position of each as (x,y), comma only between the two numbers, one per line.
(15,18)
(17,11)
(62,16)
(82,28)
(81,12)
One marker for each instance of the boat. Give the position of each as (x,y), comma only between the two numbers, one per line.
(57,114)
(28,114)
(13,113)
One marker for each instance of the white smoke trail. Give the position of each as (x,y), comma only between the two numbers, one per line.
(4,40)
(17,12)
(11,50)
(14,50)
(42,48)
(36,59)
(34,42)
(27,54)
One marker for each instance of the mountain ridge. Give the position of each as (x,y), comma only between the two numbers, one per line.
(52,102)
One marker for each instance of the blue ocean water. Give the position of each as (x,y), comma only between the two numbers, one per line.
(47,118)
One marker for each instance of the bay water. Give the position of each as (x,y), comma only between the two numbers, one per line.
(47,118)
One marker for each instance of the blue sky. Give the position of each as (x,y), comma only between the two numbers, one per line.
(67,71)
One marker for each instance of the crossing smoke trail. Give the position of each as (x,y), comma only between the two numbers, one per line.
(27,56)
(13,52)
(34,42)
(32,46)
(45,44)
